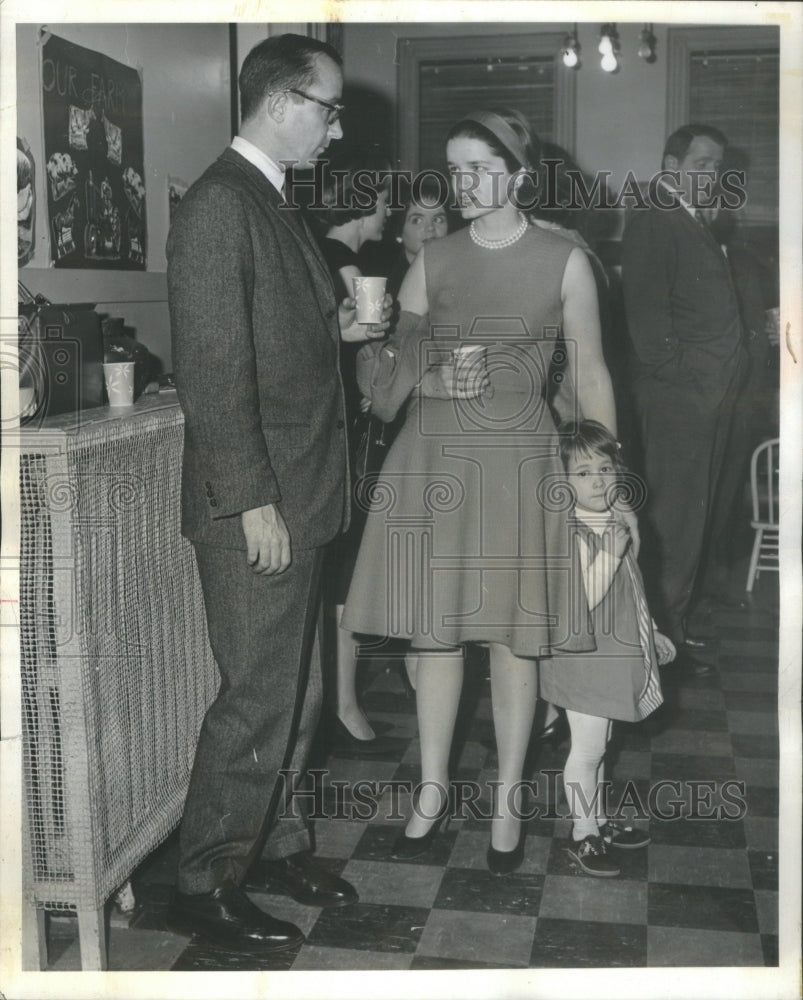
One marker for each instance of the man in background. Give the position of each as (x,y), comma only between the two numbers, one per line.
(684,324)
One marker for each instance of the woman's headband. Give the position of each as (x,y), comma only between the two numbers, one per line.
(499,128)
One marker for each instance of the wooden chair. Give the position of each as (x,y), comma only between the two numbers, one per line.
(764,492)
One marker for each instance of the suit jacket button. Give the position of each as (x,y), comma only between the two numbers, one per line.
(340,425)
(213,503)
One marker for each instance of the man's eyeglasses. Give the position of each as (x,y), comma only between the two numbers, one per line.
(335,110)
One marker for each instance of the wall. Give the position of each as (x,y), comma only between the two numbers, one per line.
(620,123)
(186,112)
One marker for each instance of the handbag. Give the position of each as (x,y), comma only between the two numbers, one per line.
(370,445)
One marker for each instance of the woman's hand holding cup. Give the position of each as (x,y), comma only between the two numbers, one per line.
(466,375)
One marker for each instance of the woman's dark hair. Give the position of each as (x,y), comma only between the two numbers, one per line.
(351,188)
(530,159)
(427,192)
(279,63)
(584,437)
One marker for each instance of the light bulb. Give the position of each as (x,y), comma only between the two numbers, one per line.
(609,62)
(605,45)
(570,57)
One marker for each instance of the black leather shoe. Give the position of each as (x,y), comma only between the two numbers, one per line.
(303,879)
(228,919)
(694,667)
(693,640)
(505,862)
(556,732)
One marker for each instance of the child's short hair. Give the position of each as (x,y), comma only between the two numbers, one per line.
(582,437)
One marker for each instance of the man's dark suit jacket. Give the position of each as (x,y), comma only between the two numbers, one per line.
(255,346)
(681,305)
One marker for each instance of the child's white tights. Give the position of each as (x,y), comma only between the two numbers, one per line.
(585,771)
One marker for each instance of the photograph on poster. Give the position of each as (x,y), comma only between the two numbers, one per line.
(408,524)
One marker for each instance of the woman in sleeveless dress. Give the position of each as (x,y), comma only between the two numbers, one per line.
(459,546)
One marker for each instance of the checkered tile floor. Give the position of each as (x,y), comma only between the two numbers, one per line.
(703,893)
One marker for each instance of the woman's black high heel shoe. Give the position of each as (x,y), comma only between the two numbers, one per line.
(505,862)
(408,848)
(555,733)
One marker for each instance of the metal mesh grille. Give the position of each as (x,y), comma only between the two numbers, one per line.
(116,667)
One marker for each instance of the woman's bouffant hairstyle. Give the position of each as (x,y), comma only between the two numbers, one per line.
(279,63)
(351,188)
(586,437)
(427,193)
(528,156)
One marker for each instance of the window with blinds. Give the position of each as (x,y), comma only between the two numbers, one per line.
(449,89)
(441,79)
(738,92)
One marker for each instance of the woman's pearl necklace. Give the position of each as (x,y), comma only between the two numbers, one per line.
(498,244)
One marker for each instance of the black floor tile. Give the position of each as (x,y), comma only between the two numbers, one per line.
(707,907)
(690,767)
(480,891)
(767,663)
(695,718)
(761,801)
(370,927)
(751,745)
(588,944)
(751,701)
(764,869)
(769,945)
(697,832)
(427,962)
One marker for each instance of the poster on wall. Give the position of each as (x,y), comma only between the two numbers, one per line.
(92,109)
(26,203)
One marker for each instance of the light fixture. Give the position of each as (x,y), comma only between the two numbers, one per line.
(646,48)
(609,48)
(571,50)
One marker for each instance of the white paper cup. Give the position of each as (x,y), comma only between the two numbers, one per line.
(470,368)
(119,376)
(370,296)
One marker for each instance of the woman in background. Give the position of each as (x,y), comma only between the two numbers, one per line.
(355,212)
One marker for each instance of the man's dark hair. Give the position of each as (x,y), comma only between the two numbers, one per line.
(280,63)
(678,143)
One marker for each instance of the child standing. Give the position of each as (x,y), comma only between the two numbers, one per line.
(619,680)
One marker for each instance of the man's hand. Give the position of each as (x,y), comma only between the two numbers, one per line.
(352,331)
(664,647)
(268,540)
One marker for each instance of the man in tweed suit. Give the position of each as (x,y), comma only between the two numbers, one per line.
(256,329)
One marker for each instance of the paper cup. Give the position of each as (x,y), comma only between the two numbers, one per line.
(370,296)
(470,368)
(119,376)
